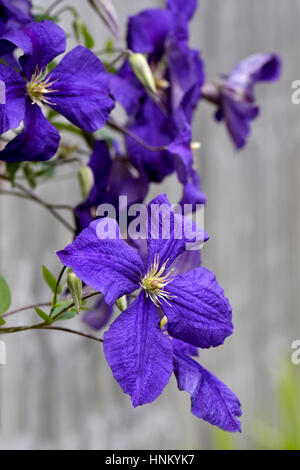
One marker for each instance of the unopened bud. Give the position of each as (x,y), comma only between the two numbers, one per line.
(121,303)
(196,145)
(143,71)
(75,287)
(86,180)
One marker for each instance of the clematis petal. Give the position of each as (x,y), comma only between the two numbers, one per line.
(199,313)
(211,400)
(41,43)
(138,352)
(13,110)
(171,133)
(186,71)
(99,316)
(187,261)
(147,31)
(169,232)
(81,90)
(107,265)
(38,141)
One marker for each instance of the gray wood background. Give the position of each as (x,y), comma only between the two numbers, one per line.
(57,392)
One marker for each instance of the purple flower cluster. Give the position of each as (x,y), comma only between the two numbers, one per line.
(178,305)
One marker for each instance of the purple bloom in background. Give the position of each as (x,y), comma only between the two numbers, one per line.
(141,354)
(113,178)
(162,119)
(234,96)
(77,88)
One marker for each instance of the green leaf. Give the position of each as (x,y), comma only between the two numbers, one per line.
(5,296)
(50,280)
(68,315)
(61,126)
(44,316)
(2,321)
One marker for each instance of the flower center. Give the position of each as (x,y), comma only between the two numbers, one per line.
(39,86)
(155,281)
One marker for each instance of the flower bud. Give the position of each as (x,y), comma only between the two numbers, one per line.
(86,180)
(108,13)
(75,287)
(143,71)
(121,303)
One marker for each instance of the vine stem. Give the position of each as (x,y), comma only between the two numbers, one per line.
(52,6)
(29,307)
(112,124)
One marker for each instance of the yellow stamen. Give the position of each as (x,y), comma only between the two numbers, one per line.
(39,86)
(154,282)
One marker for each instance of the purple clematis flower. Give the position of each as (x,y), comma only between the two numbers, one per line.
(234,95)
(77,88)
(14,14)
(141,354)
(113,178)
(164,119)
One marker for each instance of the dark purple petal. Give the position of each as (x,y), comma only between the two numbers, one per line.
(238,114)
(38,141)
(40,42)
(183,7)
(148,30)
(109,266)
(186,74)
(12,112)
(211,400)
(181,148)
(187,261)
(81,90)
(99,316)
(138,352)
(192,194)
(126,88)
(153,128)
(185,348)
(169,232)
(199,313)
(256,68)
